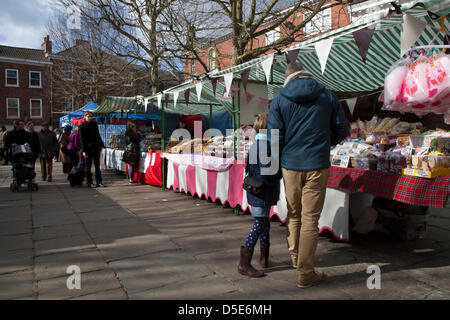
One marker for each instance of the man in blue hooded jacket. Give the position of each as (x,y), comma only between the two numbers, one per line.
(310,120)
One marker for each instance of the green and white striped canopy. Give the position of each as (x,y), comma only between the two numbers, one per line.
(112,104)
(345,70)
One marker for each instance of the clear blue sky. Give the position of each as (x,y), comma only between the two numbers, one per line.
(23,22)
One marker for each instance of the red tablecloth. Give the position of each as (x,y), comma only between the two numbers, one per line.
(412,190)
(152,174)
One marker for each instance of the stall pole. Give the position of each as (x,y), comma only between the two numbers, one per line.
(236,210)
(163,149)
(210,117)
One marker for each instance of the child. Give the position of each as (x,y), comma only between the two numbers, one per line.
(260,207)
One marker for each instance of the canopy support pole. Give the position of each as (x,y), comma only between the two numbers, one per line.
(235,209)
(210,117)
(163,149)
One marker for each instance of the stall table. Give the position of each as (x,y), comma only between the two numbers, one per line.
(223,181)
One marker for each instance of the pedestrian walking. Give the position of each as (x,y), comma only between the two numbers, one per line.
(260,203)
(64,156)
(35,143)
(3,133)
(74,147)
(310,120)
(132,140)
(58,134)
(91,146)
(49,147)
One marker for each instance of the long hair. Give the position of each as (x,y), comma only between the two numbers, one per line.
(130,126)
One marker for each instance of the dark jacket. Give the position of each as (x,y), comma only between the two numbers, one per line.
(49,144)
(310,120)
(272,191)
(35,143)
(132,141)
(18,137)
(90,140)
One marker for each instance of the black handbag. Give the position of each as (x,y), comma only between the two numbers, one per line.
(129,157)
(254,186)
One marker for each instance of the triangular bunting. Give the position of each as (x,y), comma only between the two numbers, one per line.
(263,102)
(363,38)
(145,104)
(291,55)
(186,95)
(249,97)
(166,100)
(159,96)
(244,77)
(351,103)
(228,78)
(234,90)
(175,98)
(214,84)
(198,89)
(412,28)
(152,104)
(323,49)
(267,67)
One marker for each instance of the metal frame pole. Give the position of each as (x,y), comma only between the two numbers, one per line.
(163,148)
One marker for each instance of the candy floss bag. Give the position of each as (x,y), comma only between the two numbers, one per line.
(393,85)
(415,87)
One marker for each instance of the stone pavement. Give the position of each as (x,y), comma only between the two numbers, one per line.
(138,242)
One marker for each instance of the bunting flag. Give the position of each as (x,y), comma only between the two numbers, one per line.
(267,67)
(159,96)
(145,104)
(363,38)
(228,78)
(214,84)
(186,95)
(198,89)
(292,55)
(249,97)
(323,49)
(412,28)
(263,102)
(351,103)
(175,98)
(152,104)
(166,100)
(244,77)
(234,90)
(225,94)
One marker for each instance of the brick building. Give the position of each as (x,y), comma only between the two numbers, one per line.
(25,85)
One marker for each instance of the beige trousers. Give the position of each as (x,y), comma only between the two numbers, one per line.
(46,167)
(305,195)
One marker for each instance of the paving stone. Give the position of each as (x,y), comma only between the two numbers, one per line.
(52,246)
(114,294)
(15,214)
(91,282)
(15,228)
(158,269)
(117,248)
(58,231)
(16,285)
(123,227)
(55,265)
(196,289)
(14,261)
(202,243)
(15,242)
(48,221)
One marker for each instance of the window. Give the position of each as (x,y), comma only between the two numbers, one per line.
(35,79)
(193,67)
(67,72)
(272,36)
(319,23)
(36,108)
(12,78)
(212,59)
(67,104)
(128,80)
(12,108)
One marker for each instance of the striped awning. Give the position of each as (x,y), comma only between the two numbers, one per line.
(345,70)
(112,104)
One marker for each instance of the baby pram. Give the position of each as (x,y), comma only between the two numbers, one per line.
(23,168)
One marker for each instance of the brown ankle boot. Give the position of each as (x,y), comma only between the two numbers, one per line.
(245,267)
(264,257)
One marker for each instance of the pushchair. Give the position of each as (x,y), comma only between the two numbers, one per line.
(22,159)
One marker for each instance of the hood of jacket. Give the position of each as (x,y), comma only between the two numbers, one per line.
(302,90)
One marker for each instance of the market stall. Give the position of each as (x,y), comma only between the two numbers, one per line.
(384,157)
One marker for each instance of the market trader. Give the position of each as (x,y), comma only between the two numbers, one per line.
(91,147)
(310,120)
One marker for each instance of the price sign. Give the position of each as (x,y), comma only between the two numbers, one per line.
(340,161)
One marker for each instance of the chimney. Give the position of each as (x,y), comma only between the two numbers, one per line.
(47,45)
(79,42)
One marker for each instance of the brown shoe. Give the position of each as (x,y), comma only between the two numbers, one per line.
(245,267)
(264,257)
(316,278)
